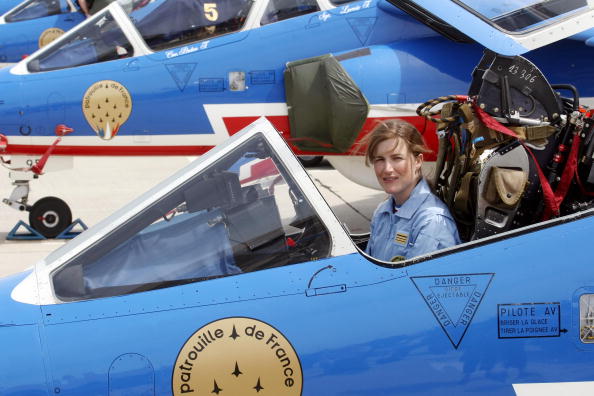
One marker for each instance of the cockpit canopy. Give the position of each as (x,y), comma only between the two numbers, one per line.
(177,22)
(33,9)
(156,26)
(519,16)
(510,27)
(99,41)
(236,210)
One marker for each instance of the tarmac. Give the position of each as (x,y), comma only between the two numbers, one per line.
(97,186)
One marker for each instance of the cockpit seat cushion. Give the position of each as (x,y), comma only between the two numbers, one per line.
(505,186)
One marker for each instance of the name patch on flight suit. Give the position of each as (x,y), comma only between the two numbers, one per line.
(401,238)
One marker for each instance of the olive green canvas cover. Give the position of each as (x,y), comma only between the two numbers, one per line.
(326,108)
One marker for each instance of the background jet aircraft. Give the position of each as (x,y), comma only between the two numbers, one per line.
(33,24)
(6,5)
(184,75)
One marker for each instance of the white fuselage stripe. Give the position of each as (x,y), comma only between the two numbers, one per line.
(555,389)
(216,114)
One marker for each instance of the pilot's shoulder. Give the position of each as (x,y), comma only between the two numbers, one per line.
(433,206)
(436,222)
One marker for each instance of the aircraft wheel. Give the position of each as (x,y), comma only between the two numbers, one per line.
(50,216)
(310,160)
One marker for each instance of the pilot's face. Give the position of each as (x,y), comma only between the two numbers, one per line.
(396,168)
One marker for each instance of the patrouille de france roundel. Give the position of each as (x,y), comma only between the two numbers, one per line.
(106,105)
(237,356)
(49,35)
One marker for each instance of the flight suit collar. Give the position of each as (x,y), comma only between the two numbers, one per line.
(418,195)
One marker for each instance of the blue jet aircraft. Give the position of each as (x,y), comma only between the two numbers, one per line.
(234,277)
(6,5)
(182,76)
(32,24)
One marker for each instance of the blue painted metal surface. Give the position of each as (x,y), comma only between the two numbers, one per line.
(16,342)
(131,373)
(6,5)
(11,312)
(376,337)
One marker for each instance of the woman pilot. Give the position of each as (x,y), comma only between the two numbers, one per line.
(412,221)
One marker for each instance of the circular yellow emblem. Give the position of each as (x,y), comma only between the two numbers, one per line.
(237,356)
(107,105)
(49,35)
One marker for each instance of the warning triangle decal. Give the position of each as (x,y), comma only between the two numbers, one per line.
(362,27)
(181,72)
(453,299)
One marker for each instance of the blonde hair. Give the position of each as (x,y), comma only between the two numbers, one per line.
(390,129)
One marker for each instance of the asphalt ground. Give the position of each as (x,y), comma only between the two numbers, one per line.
(97,186)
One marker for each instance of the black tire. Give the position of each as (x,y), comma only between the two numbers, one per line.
(311,160)
(50,216)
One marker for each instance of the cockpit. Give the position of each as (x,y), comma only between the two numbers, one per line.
(179,22)
(100,41)
(33,9)
(243,212)
(161,25)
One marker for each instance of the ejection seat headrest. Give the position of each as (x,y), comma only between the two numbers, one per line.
(513,88)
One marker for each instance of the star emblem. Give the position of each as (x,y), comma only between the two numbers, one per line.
(236,372)
(258,386)
(216,388)
(234,334)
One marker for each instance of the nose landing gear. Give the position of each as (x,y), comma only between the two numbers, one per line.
(50,216)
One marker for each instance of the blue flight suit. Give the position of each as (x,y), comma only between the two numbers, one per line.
(421,225)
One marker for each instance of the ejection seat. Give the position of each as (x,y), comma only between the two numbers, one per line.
(493,143)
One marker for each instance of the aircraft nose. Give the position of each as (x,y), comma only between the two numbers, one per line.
(14,313)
